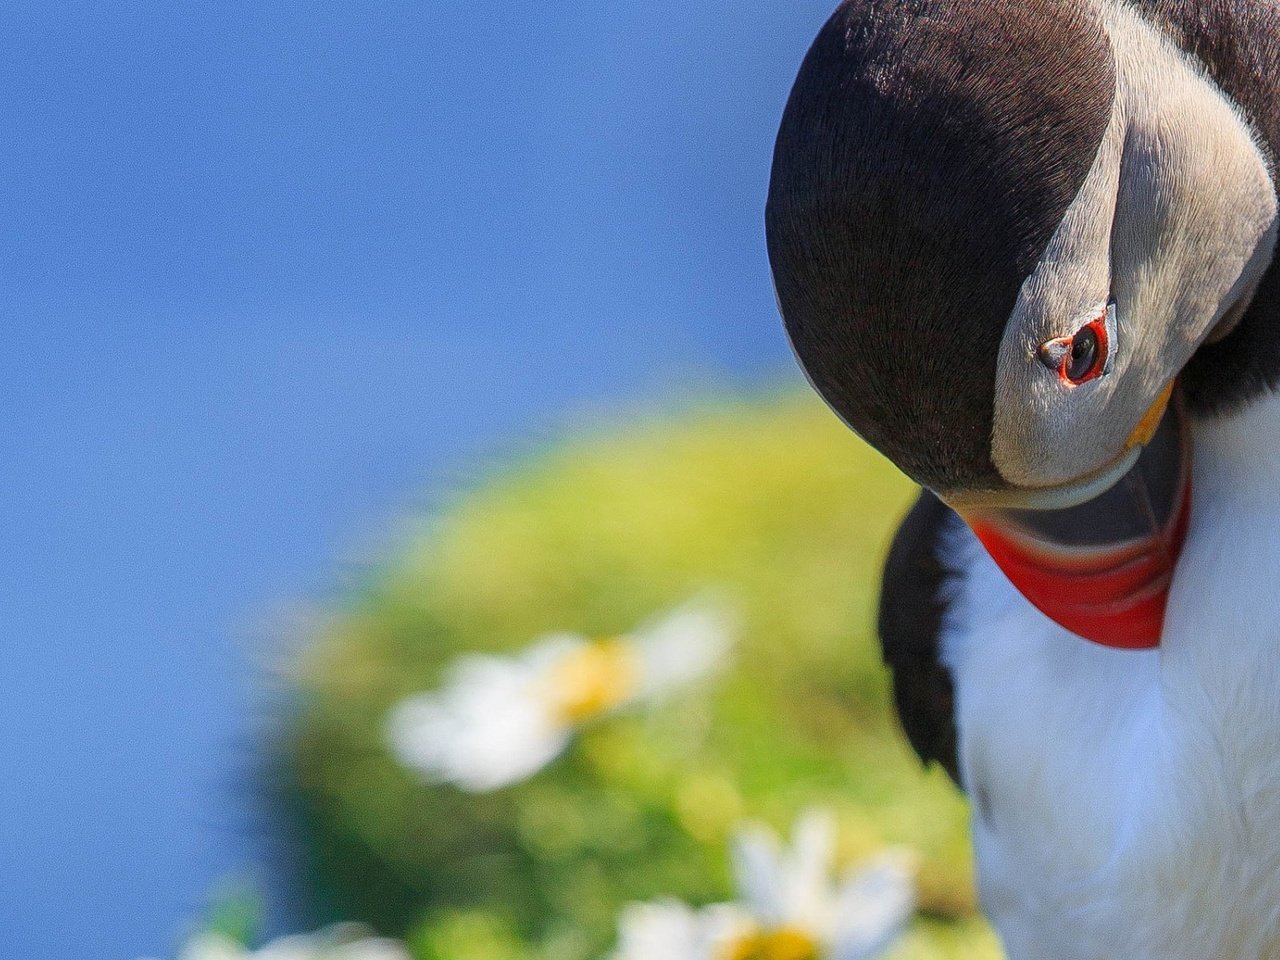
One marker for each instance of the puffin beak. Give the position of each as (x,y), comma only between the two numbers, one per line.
(1102,568)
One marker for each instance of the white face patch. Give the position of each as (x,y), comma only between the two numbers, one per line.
(1176,220)
(1109,321)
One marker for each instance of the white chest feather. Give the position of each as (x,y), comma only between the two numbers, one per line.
(1127,803)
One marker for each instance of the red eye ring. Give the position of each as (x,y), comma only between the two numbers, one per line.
(1081,357)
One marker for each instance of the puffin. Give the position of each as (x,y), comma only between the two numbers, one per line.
(1024,248)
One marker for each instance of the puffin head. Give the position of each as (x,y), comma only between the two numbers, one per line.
(998,230)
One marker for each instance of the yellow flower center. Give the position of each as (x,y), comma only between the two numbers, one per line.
(594,680)
(783,943)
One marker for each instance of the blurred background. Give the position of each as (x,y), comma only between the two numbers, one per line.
(276,277)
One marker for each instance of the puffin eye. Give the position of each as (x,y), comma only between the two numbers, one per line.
(1082,356)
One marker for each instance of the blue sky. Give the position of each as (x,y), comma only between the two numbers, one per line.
(272,273)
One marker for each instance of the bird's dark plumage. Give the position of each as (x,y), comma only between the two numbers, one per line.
(927,153)
(911,612)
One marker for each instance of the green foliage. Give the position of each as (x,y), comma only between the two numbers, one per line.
(235,911)
(773,502)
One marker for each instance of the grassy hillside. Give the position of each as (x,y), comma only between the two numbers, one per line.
(772,503)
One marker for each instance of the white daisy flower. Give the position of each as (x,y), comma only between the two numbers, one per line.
(790,907)
(498,720)
(794,893)
(341,942)
(671,930)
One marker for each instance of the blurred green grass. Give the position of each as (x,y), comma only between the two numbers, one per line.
(769,499)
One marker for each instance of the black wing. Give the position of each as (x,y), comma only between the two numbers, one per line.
(910,623)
